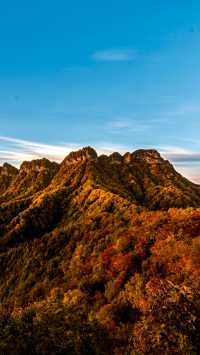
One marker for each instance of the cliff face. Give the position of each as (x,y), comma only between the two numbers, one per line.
(32,177)
(7,174)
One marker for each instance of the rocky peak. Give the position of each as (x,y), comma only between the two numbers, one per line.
(8,170)
(147,155)
(127,158)
(8,173)
(38,165)
(86,153)
(116,157)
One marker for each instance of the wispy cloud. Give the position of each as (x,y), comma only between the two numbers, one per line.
(186,161)
(195,178)
(115,55)
(179,155)
(15,151)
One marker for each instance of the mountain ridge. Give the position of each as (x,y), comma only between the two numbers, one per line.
(143,177)
(105,244)
(148,155)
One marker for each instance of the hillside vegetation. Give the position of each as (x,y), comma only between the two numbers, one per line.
(99,255)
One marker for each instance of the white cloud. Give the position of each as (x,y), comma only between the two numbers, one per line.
(15,151)
(115,55)
(186,161)
(18,150)
(179,154)
(195,178)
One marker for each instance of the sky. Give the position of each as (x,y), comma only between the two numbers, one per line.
(115,75)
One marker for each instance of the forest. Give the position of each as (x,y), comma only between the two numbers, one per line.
(99,255)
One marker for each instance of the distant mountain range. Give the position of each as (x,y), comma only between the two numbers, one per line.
(114,239)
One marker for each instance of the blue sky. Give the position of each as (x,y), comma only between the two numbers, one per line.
(111,74)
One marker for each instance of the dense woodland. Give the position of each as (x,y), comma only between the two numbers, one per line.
(99,255)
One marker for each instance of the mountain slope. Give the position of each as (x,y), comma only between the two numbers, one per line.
(101,238)
(44,194)
(7,174)
(32,177)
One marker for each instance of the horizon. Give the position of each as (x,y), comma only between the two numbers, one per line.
(117,78)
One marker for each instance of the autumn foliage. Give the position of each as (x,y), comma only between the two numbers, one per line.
(102,256)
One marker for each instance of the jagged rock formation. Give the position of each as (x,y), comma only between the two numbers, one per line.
(7,175)
(150,156)
(81,155)
(32,177)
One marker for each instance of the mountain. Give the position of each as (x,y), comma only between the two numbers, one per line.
(106,249)
(32,177)
(7,175)
(44,194)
